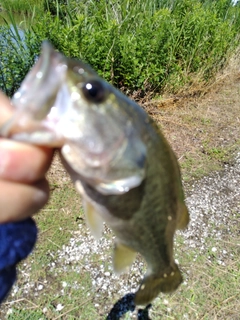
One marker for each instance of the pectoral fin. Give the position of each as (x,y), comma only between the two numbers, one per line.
(94,219)
(123,257)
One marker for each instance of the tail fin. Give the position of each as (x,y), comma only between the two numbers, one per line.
(153,284)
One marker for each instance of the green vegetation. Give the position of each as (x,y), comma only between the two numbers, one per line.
(16,57)
(149,46)
(210,289)
(21,6)
(154,48)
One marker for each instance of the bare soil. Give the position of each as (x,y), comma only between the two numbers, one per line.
(202,124)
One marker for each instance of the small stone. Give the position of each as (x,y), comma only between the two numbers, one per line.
(59,307)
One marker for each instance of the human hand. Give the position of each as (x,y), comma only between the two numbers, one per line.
(23,186)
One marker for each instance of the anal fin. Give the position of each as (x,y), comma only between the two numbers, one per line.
(183,218)
(123,257)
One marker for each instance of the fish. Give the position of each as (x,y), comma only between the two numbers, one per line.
(120,162)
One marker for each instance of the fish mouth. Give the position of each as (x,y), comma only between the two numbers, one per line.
(45,113)
(97,138)
(58,132)
(21,127)
(32,103)
(90,150)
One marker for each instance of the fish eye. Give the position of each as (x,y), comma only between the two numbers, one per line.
(94,91)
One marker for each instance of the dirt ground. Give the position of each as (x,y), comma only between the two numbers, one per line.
(202,125)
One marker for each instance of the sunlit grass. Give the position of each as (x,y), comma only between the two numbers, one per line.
(21,6)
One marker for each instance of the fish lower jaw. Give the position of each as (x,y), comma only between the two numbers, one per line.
(41,138)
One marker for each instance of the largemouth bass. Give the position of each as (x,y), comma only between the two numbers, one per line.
(123,167)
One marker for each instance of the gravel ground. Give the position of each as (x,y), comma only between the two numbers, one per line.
(215,199)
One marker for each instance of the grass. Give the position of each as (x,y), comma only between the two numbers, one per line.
(57,222)
(208,159)
(148,47)
(17,55)
(209,291)
(203,131)
(220,281)
(21,6)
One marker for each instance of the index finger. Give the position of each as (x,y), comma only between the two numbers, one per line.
(20,161)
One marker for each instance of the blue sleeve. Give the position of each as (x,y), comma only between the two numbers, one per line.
(16,242)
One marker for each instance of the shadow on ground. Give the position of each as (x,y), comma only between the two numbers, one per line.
(126,304)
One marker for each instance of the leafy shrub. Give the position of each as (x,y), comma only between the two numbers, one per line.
(21,6)
(56,8)
(146,44)
(17,57)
